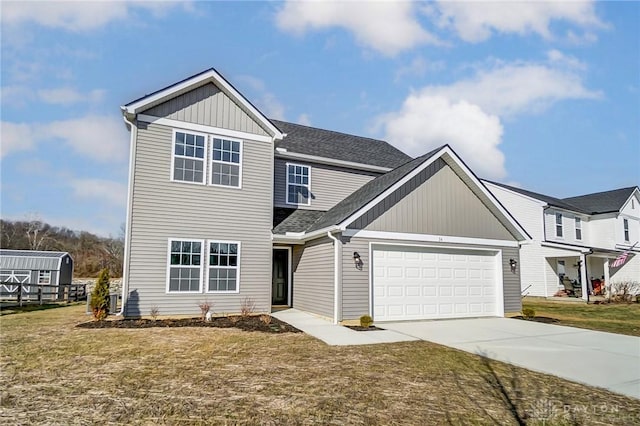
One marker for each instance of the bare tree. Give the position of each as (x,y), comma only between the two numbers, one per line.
(38,234)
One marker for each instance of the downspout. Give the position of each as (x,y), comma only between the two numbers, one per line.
(127,235)
(336,277)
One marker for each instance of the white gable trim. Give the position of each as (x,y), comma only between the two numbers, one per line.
(383,235)
(451,156)
(210,76)
(177,124)
(635,194)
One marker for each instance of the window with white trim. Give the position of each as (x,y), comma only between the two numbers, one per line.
(559,225)
(188,157)
(298,184)
(625,226)
(44,277)
(224,261)
(225,162)
(185,265)
(578,228)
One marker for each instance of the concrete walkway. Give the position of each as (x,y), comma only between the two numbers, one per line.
(337,335)
(606,360)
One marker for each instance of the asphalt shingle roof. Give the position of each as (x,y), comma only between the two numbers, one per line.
(339,146)
(292,220)
(602,202)
(368,193)
(552,201)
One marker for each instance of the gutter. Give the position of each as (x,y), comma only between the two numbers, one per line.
(336,277)
(127,236)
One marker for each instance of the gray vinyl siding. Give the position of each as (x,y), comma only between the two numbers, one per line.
(163,209)
(66,270)
(209,106)
(329,184)
(313,277)
(436,202)
(356,297)
(512,287)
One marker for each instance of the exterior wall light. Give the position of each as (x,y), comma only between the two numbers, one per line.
(357,260)
(513,263)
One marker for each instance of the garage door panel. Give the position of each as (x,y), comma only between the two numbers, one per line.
(425,283)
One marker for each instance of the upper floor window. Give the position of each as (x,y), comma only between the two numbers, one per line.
(44,277)
(625,226)
(225,163)
(578,228)
(188,157)
(223,266)
(185,257)
(559,225)
(298,184)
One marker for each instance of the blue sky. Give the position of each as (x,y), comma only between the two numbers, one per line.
(541,95)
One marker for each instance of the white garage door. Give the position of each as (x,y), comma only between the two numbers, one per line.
(428,283)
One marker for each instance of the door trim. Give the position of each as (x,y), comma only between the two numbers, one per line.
(290,270)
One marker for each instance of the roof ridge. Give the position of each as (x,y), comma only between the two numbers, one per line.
(328,130)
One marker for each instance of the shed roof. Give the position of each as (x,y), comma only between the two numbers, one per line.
(31,259)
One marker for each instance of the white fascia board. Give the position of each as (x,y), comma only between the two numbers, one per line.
(565,247)
(198,80)
(329,161)
(526,197)
(302,237)
(177,124)
(428,238)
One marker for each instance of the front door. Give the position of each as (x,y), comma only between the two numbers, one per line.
(280,279)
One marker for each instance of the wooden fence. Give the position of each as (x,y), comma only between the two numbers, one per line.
(41,293)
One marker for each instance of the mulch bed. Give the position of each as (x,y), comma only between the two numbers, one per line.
(545,320)
(250,323)
(360,328)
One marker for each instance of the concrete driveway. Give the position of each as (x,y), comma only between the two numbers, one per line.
(605,360)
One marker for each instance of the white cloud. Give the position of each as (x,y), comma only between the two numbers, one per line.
(69,96)
(509,89)
(475,21)
(387,27)
(426,122)
(15,137)
(111,192)
(557,57)
(79,16)
(419,67)
(16,96)
(101,138)
(266,101)
(304,119)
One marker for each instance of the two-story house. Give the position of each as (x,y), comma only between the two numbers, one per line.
(225,204)
(574,238)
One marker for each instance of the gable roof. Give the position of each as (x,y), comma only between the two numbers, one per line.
(340,146)
(197,80)
(552,201)
(363,199)
(602,202)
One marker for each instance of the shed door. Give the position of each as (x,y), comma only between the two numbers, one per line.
(411,283)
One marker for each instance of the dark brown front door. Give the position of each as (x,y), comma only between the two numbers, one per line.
(280,280)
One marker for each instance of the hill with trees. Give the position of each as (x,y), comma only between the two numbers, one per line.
(91,253)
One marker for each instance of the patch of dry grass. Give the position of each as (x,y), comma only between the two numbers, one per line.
(55,373)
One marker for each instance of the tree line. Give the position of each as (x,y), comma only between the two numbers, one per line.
(90,252)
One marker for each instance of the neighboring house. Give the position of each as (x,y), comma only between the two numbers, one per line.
(225,204)
(34,268)
(577,237)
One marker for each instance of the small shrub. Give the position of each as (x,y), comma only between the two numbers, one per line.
(154,312)
(233,319)
(205,306)
(265,318)
(100,296)
(623,291)
(366,321)
(247,307)
(528,313)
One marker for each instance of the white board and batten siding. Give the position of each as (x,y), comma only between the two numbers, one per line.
(329,184)
(162,209)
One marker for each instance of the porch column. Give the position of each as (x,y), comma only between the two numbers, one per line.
(583,277)
(607,277)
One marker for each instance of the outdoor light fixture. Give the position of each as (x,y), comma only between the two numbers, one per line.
(513,263)
(356,260)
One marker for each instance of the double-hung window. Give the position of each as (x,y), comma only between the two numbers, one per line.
(223,266)
(44,277)
(188,157)
(578,228)
(559,225)
(225,163)
(625,227)
(184,269)
(298,184)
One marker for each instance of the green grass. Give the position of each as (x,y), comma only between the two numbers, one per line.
(54,373)
(619,318)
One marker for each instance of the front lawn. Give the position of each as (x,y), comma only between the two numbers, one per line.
(55,373)
(619,318)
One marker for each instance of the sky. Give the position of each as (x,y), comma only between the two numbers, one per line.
(541,95)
